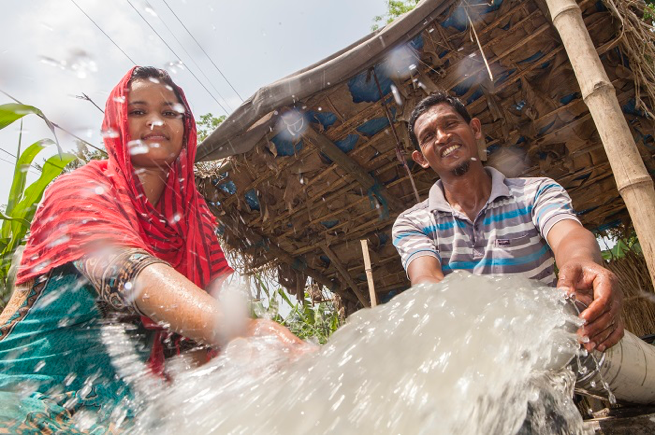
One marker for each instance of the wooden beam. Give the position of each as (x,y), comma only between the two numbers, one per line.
(341,159)
(344,273)
(632,178)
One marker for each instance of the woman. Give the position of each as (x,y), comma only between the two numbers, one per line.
(126,239)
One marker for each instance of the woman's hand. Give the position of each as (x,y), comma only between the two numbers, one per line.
(265,327)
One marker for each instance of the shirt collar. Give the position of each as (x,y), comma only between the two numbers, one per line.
(437,199)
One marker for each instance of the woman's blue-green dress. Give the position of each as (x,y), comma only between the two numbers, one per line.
(53,363)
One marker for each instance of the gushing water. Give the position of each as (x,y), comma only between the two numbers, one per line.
(470,355)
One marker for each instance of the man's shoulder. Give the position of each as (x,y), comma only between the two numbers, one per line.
(416,212)
(528,186)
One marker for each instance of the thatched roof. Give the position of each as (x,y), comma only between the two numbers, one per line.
(316,158)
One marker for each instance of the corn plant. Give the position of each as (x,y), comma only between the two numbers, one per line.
(314,321)
(23,199)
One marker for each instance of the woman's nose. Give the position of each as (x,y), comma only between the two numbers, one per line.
(154,120)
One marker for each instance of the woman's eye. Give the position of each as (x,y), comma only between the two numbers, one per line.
(136,112)
(172,114)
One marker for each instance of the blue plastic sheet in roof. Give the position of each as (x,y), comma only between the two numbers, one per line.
(493,148)
(477,94)
(568,98)
(631,108)
(520,105)
(284,146)
(417,43)
(325,259)
(459,20)
(580,213)
(372,127)
(504,76)
(326,119)
(252,200)
(330,224)
(535,57)
(364,89)
(583,176)
(228,187)
(348,143)
(545,128)
(609,225)
(462,88)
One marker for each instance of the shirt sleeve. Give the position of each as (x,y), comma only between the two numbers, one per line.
(411,240)
(551,204)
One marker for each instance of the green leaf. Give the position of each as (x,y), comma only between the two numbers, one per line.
(33,194)
(20,172)
(285,297)
(9,218)
(12,112)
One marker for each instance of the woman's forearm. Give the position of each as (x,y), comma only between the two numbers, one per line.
(166,296)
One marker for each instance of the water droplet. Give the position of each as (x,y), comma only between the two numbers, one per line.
(110,133)
(137,147)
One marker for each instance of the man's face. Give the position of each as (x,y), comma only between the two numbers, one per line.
(448,143)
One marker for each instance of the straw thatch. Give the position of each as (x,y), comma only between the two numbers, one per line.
(319,156)
(638,293)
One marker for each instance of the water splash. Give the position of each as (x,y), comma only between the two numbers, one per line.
(137,147)
(469,355)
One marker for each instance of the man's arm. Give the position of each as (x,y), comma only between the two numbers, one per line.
(581,272)
(425,270)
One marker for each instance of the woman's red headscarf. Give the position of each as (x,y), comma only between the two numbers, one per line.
(104,201)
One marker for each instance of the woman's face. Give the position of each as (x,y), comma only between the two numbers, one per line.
(156,124)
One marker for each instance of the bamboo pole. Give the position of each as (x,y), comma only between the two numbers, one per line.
(632,179)
(369,273)
(344,272)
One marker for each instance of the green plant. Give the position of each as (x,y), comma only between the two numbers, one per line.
(308,320)
(207,124)
(395,8)
(23,199)
(621,247)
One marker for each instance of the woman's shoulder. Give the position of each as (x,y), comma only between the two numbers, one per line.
(90,177)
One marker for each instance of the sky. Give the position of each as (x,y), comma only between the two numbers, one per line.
(51,53)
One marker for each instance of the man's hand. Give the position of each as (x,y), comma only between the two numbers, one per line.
(581,273)
(597,288)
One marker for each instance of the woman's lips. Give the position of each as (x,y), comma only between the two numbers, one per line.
(155,137)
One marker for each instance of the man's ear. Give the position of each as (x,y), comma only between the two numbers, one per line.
(476,126)
(419,158)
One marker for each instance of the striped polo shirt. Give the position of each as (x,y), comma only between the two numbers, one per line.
(507,237)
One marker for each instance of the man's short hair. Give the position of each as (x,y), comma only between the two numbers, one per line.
(431,100)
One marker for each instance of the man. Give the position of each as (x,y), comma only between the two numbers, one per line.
(477,220)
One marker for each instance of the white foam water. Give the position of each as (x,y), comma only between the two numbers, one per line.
(470,355)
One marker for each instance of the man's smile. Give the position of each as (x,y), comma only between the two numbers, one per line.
(449,150)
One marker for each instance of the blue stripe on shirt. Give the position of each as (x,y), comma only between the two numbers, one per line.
(444,226)
(542,188)
(470,265)
(508,215)
(545,208)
